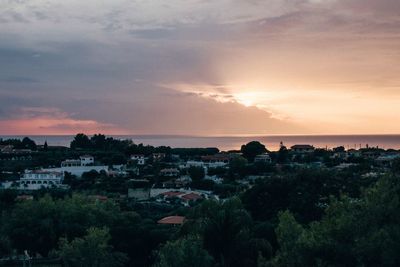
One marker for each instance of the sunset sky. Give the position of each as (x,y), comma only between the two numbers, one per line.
(200,67)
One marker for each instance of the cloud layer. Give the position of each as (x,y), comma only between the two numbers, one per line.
(199,67)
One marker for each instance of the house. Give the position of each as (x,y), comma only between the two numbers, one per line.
(171,172)
(193,163)
(190,197)
(172,220)
(78,167)
(139,159)
(86,160)
(37,179)
(24,197)
(214,161)
(303,148)
(6,148)
(387,159)
(263,158)
(158,156)
(71,163)
(354,153)
(139,193)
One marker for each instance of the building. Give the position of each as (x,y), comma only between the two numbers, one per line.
(71,163)
(193,163)
(139,159)
(158,156)
(263,158)
(87,160)
(139,194)
(37,179)
(79,166)
(172,220)
(303,148)
(387,159)
(172,172)
(6,148)
(214,161)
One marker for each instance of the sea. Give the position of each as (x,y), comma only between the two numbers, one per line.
(225,143)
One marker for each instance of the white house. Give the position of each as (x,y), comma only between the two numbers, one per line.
(78,167)
(193,163)
(172,172)
(140,159)
(37,179)
(86,160)
(214,161)
(71,163)
(263,158)
(303,148)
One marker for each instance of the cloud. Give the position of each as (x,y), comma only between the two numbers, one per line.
(34,120)
(104,63)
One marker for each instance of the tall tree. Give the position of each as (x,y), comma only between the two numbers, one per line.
(81,141)
(252,149)
(92,250)
(183,252)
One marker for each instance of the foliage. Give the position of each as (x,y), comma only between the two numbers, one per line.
(252,149)
(183,252)
(92,250)
(25,143)
(354,232)
(226,231)
(196,173)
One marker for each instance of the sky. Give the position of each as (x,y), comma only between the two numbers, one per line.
(199,67)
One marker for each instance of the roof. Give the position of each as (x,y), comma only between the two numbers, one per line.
(266,155)
(170,170)
(191,196)
(43,172)
(172,194)
(302,147)
(86,156)
(216,157)
(71,161)
(172,220)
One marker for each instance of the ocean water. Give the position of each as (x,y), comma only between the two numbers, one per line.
(234,142)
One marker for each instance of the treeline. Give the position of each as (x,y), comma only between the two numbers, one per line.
(309,218)
(363,231)
(100,142)
(78,229)
(25,143)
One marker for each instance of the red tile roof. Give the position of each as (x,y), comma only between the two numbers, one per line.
(172,220)
(171,194)
(191,196)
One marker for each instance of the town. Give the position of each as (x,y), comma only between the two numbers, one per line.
(164,186)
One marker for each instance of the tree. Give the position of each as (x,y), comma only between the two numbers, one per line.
(99,141)
(28,143)
(183,252)
(396,166)
(288,234)
(45,146)
(92,250)
(283,154)
(196,173)
(252,149)
(353,232)
(226,232)
(339,149)
(81,141)
(5,246)
(237,167)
